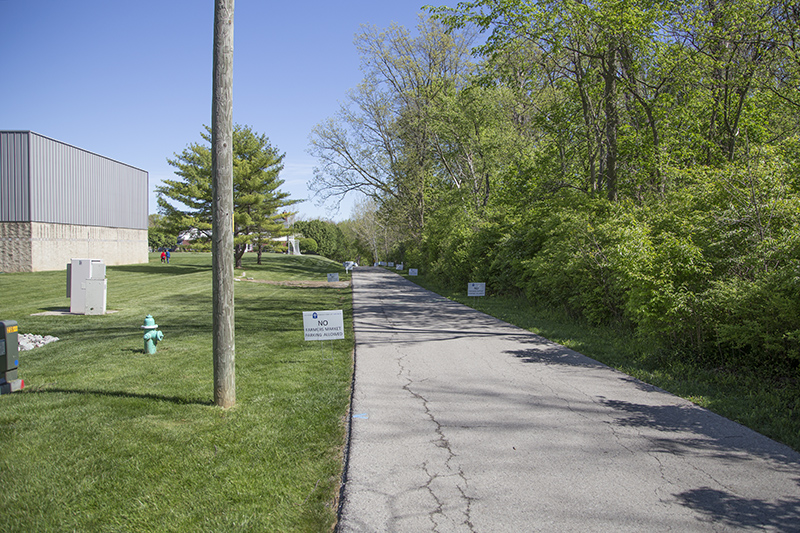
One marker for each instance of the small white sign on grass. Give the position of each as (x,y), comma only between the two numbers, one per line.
(333,277)
(399,266)
(412,271)
(323,325)
(476,289)
(391,263)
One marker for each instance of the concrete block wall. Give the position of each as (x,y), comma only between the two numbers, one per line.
(37,246)
(15,247)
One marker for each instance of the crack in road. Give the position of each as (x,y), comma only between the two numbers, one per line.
(441,441)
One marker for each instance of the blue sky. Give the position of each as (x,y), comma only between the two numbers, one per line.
(132,80)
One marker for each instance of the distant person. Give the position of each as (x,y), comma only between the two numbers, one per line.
(167,256)
(163,257)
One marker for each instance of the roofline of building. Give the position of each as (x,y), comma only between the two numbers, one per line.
(77,148)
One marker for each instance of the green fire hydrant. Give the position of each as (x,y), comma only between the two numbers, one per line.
(151,335)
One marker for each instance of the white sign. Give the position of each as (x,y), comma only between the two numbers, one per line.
(476,289)
(333,277)
(399,266)
(412,271)
(323,325)
(391,263)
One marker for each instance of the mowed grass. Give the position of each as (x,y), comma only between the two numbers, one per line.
(107,438)
(761,401)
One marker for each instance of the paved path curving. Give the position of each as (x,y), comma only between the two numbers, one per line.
(462,422)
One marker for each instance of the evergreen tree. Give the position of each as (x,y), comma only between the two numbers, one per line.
(258,202)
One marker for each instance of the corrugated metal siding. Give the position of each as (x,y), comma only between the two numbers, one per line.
(14,176)
(72,186)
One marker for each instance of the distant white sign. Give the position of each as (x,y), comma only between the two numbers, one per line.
(333,277)
(391,263)
(476,289)
(412,271)
(399,266)
(323,325)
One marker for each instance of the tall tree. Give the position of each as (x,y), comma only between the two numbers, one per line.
(258,203)
(159,236)
(369,229)
(592,46)
(379,143)
(222,206)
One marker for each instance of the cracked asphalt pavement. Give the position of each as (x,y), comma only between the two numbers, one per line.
(461,422)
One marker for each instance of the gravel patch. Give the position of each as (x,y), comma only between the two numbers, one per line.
(29,341)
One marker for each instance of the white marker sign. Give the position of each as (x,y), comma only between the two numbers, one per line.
(391,263)
(333,277)
(323,325)
(399,266)
(412,271)
(476,289)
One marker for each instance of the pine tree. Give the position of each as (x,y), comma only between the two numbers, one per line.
(258,201)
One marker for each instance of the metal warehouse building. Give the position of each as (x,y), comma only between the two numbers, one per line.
(59,202)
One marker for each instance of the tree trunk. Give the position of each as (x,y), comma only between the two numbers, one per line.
(238,254)
(612,122)
(589,124)
(222,206)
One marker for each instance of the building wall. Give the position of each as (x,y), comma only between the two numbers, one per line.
(44,180)
(72,186)
(14,177)
(37,246)
(58,201)
(54,245)
(15,246)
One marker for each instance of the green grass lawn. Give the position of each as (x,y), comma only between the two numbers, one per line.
(759,401)
(106,438)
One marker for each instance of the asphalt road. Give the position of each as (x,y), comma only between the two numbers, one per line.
(461,422)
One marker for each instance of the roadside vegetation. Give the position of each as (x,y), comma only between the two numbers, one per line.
(106,438)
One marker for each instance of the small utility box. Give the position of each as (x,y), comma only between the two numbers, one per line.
(9,357)
(87,286)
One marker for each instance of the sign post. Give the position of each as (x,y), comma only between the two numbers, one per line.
(476,289)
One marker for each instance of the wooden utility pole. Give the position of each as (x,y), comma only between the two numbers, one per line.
(222,206)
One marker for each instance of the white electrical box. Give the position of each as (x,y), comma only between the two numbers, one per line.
(86,287)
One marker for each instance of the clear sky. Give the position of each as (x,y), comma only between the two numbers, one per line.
(132,80)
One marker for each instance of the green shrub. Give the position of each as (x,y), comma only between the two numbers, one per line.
(308,245)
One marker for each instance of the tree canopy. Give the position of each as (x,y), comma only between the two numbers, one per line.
(159,236)
(630,163)
(259,204)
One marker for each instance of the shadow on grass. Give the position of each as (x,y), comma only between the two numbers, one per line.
(122,394)
(158,268)
(299,266)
